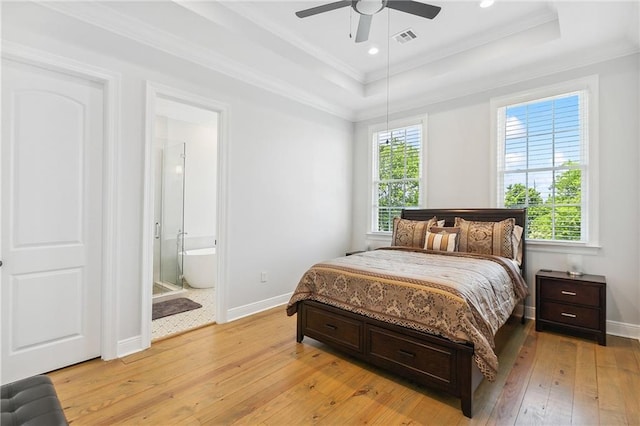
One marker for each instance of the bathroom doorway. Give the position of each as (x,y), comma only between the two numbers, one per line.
(185,209)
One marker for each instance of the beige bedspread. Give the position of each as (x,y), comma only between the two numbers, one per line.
(461,296)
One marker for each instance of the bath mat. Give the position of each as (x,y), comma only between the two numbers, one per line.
(172,307)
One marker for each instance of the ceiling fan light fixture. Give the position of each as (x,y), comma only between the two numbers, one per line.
(369,7)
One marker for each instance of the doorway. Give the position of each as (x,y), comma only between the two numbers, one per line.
(185,255)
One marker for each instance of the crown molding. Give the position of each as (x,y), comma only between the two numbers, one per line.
(612,50)
(108,19)
(293,39)
(546,20)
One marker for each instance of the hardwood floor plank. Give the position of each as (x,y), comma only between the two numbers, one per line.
(585,398)
(628,370)
(510,400)
(536,397)
(560,403)
(252,372)
(610,398)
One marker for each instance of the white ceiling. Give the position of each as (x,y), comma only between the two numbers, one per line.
(314,60)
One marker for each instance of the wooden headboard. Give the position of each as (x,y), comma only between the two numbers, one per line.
(483,215)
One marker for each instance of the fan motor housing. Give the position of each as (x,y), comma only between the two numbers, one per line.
(368,7)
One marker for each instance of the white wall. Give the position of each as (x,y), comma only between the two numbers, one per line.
(459,175)
(289,200)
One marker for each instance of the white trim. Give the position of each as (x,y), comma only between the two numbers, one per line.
(255,307)
(111,84)
(154,90)
(622,329)
(591,85)
(134,29)
(129,346)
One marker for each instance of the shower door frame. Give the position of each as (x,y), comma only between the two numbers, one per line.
(166,232)
(153,91)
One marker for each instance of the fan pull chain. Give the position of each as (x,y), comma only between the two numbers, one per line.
(350,22)
(388,67)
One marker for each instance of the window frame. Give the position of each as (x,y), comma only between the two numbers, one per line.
(421,121)
(588,85)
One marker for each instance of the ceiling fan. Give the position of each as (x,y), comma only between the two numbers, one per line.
(368,8)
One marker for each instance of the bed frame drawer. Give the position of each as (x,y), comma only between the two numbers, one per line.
(334,327)
(394,351)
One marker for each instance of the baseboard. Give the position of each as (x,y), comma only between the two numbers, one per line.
(130,346)
(614,328)
(631,331)
(254,308)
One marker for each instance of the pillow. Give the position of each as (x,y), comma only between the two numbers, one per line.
(517,243)
(486,237)
(410,233)
(440,240)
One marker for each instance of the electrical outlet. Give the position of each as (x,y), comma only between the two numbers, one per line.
(263,277)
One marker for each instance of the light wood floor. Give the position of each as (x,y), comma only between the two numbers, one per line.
(252,371)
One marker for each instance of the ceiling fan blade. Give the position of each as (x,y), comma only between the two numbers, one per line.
(324,8)
(364,26)
(414,8)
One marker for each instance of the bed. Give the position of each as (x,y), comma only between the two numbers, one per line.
(428,307)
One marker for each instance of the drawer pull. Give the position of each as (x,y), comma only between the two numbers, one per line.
(564,314)
(407,354)
(568,293)
(331,327)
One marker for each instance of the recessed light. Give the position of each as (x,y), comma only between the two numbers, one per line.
(373,50)
(486,3)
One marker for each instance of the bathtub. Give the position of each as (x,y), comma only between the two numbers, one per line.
(199,267)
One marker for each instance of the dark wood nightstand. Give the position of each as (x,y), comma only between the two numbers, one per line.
(572,303)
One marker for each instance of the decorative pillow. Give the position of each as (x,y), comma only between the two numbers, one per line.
(486,237)
(441,240)
(410,233)
(517,243)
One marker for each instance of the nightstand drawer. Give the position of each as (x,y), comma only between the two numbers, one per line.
(569,292)
(571,315)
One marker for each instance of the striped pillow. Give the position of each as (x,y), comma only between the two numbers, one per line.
(441,241)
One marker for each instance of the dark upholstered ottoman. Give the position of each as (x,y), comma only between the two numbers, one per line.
(31,401)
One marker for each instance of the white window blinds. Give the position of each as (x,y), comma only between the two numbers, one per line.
(397,174)
(543,164)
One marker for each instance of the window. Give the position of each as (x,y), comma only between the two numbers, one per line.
(397,174)
(543,147)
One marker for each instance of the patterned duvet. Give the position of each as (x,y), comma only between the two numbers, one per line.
(460,296)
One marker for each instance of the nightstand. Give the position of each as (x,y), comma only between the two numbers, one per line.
(572,303)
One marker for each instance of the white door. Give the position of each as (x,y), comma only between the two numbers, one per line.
(51,169)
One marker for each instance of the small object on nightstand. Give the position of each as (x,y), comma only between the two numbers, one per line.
(349,253)
(572,303)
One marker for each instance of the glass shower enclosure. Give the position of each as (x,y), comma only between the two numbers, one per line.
(169,224)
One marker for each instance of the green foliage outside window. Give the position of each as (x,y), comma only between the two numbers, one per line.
(559,216)
(398,183)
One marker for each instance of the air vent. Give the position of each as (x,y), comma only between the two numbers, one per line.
(405,36)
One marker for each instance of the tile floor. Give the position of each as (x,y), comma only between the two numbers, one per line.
(184,321)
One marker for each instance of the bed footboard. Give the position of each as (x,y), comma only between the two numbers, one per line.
(420,357)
